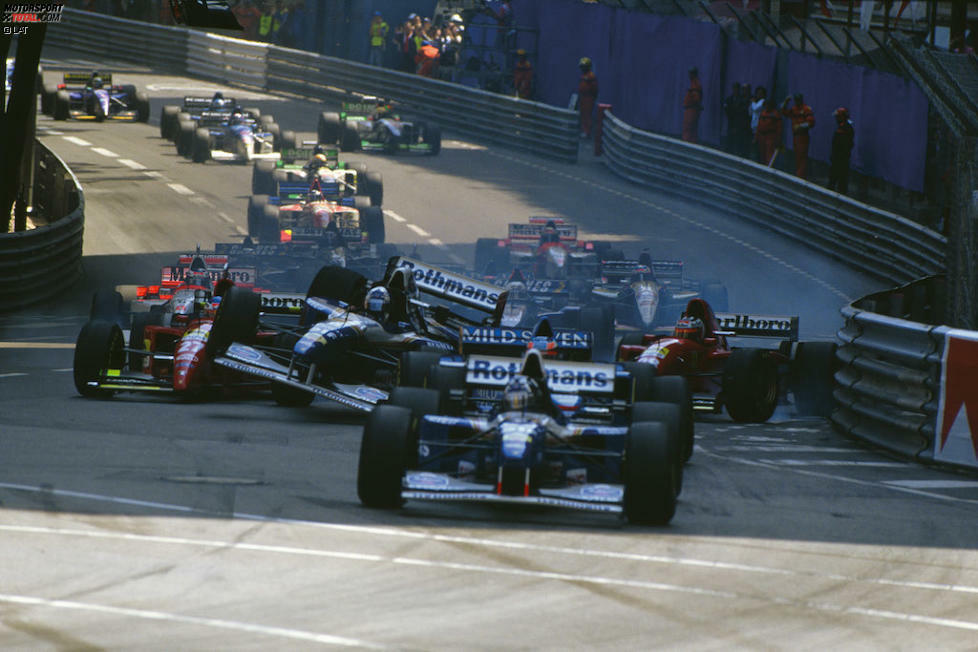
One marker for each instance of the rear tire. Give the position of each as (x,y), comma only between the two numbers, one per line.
(375,187)
(48,95)
(62,105)
(329,128)
(675,390)
(350,138)
(750,386)
(141,101)
(256,212)
(168,121)
(107,305)
(650,488)
(414,367)
(185,138)
(372,221)
(99,347)
(338,284)
(383,452)
(813,378)
(289,142)
(236,320)
(137,334)
(432,137)
(262,178)
(268,228)
(202,146)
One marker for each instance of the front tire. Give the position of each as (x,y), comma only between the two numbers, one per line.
(383,452)
(329,128)
(650,488)
(338,284)
(236,320)
(750,385)
(99,347)
(372,221)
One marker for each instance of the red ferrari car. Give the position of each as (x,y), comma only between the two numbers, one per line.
(747,381)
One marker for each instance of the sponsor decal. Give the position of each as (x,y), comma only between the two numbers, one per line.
(534,231)
(561,376)
(604,492)
(244,353)
(287,301)
(369,394)
(957,414)
(425,480)
(520,336)
(440,282)
(242,276)
(758,325)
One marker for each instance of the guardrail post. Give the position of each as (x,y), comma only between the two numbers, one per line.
(599,129)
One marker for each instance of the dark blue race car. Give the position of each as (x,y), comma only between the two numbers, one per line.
(92,96)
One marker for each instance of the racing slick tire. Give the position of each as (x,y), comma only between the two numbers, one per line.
(185,138)
(600,320)
(750,385)
(100,346)
(236,320)
(289,140)
(329,128)
(256,212)
(262,178)
(643,376)
(252,111)
(168,121)
(275,131)
(62,105)
(141,103)
(489,256)
(107,305)
(372,220)
(339,283)
(182,117)
(136,339)
(129,90)
(419,400)
(648,469)
(201,151)
(675,390)
(375,187)
(48,94)
(445,379)
(415,366)
(813,378)
(266,121)
(350,138)
(667,414)
(715,294)
(631,338)
(361,203)
(432,138)
(269,231)
(383,451)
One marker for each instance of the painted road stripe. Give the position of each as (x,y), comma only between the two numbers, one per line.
(153,174)
(180,188)
(105,152)
(77,141)
(418,230)
(394,216)
(37,345)
(786,449)
(225,217)
(436,242)
(132,164)
(280,632)
(12,374)
(50,132)
(879,465)
(933,484)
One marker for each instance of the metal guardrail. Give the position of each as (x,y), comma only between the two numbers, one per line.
(35,263)
(889,379)
(102,36)
(227,59)
(882,244)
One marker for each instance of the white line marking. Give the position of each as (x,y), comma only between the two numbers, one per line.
(153,174)
(65,369)
(933,484)
(394,216)
(880,465)
(132,164)
(786,449)
(105,152)
(456,259)
(436,242)
(50,132)
(225,217)
(418,230)
(280,632)
(180,188)
(77,141)
(203,201)
(12,374)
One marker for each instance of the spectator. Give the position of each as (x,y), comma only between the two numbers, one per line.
(802,121)
(587,94)
(265,23)
(692,107)
(731,108)
(378,39)
(402,37)
(756,106)
(523,76)
(842,142)
(248,17)
(769,133)
(427,59)
(278,18)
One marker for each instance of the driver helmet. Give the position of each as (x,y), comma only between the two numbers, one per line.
(384,108)
(521,394)
(550,233)
(690,328)
(237,117)
(212,306)
(377,303)
(218,100)
(517,291)
(584,63)
(97,82)
(315,195)
(319,159)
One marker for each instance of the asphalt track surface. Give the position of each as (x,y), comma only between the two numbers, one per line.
(149,523)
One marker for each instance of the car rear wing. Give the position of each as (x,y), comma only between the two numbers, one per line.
(292,191)
(564,377)
(268,250)
(205,102)
(82,78)
(514,341)
(306,153)
(749,325)
(173,276)
(447,285)
(358,107)
(533,230)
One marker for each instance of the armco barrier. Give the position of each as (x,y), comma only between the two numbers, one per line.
(882,244)
(228,60)
(35,263)
(888,382)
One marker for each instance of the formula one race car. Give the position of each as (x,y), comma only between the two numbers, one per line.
(371,125)
(335,177)
(166,350)
(91,96)
(748,382)
(546,248)
(533,431)
(301,214)
(237,136)
(346,347)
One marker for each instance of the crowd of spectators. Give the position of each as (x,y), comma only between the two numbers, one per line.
(279,22)
(424,45)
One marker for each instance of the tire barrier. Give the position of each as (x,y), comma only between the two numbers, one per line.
(35,263)
(515,123)
(889,376)
(868,239)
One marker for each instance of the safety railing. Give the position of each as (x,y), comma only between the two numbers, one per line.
(889,378)
(35,263)
(228,60)
(871,240)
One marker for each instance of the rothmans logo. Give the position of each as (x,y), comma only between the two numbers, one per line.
(561,376)
(436,281)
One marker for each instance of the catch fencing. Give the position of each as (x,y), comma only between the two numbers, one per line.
(35,264)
